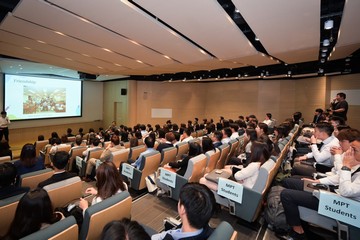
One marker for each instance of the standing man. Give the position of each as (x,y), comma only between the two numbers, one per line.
(340,106)
(4,122)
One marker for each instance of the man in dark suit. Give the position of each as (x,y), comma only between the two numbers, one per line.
(59,163)
(318,117)
(170,138)
(216,138)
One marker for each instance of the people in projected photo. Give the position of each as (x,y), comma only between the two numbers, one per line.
(36,101)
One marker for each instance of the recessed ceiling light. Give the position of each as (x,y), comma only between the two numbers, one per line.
(326,42)
(329,24)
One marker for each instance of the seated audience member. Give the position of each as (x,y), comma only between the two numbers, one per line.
(105,155)
(262,129)
(149,143)
(124,229)
(7,181)
(59,163)
(124,137)
(81,132)
(34,212)
(28,161)
(196,207)
(64,138)
(280,133)
(93,145)
(186,136)
(226,135)
(56,142)
(207,145)
(53,135)
(216,138)
(108,183)
(234,131)
(296,118)
(78,141)
(180,167)
(321,158)
(143,131)
(69,133)
(5,149)
(246,176)
(170,138)
(318,116)
(347,179)
(269,121)
(134,142)
(250,137)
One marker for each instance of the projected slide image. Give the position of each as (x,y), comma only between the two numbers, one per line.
(30,97)
(36,100)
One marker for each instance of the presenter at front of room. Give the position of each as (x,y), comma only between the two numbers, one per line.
(4,130)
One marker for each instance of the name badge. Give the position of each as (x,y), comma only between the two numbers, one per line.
(127,170)
(230,189)
(168,177)
(79,161)
(340,208)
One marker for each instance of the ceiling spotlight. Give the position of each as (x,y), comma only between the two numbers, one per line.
(324,50)
(326,42)
(347,59)
(329,24)
(289,73)
(322,60)
(323,54)
(321,70)
(256,38)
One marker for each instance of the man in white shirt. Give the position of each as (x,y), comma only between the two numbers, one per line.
(234,129)
(4,122)
(318,160)
(226,135)
(186,136)
(195,208)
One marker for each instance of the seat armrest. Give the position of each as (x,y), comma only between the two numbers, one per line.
(180,181)
(251,202)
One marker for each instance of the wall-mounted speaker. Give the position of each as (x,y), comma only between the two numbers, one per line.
(123,91)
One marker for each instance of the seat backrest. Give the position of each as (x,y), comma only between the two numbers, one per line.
(127,144)
(95,153)
(75,151)
(212,159)
(168,155)
(39,145)
(71,139)
(234,143)
(223,231)
(183,148)
(106,144)
(135,152)
(120,156)
(149,166)
(98,215)
(224,152)
(47,155)
(196,168)
(5,159)
(64,147)
(7,212)
(63,229)
(32,179)
(62,192)
(263,178)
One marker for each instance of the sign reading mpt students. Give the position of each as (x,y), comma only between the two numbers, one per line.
(340,208)
(168,177)
(230,189)
(127,170)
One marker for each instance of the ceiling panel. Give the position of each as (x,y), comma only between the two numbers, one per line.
(259,59)
(285,26)
(136,25)
(348,38)
(37,32)
(208,26)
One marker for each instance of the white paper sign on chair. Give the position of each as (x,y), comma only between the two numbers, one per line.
(168,177)
(230,189)
(340,208)
(127,170)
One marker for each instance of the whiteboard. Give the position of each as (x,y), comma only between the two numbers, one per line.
(161,113)
(352,96)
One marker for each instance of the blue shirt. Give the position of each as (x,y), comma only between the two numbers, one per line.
(138,161)
(176,234)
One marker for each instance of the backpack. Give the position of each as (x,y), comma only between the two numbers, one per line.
(274,212)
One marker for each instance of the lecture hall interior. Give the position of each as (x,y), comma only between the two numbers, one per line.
(151,61)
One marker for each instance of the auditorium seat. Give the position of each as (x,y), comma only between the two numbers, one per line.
(224,152)
(39,145)
(32,179)
(168,155)
(75,151)
(212,159)
(135,152)
(195,171)
(98,215)
(183,149)
(62,230)
(81,163)
(119,157)
(63,192)
(5,159)
(223,231)
(7,212)
(149,165)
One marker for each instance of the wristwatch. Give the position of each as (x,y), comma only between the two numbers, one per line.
(345,168)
